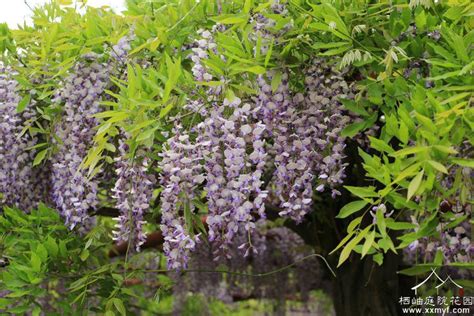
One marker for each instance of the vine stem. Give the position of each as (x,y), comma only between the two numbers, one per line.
(256,275)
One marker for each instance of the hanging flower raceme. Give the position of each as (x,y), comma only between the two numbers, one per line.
(73,192)
(307,147)
(272,104)
(325,86)
(234,169)
(182,172)
(17,180)
(133,192)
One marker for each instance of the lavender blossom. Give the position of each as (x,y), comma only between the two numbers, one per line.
(181,173)
(17,176)
(72,191)
(307,147)
(133,191)
(234,168)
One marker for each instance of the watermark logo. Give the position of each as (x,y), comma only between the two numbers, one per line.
(457,304)
(447,281)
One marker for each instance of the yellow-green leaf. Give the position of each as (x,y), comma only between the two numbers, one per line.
(350,246)
(438,166)
(409,151)
(381,224)
(414,184)
(369,240)
(464,162)
(39,157)
(23,104)
(351,208)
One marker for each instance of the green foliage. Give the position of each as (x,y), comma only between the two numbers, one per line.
(52,269)
(422,131)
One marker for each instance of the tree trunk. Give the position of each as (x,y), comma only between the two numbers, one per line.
(364,288)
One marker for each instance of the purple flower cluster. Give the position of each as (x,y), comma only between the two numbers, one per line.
(133,191)
(73,192)
(325,86)
(17,176)
(272,105)
(229,151)
(230,154)
(305,127)
(234,166)
(182,172)
(201,52)
(202,47)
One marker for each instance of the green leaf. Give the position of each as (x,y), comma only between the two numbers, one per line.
(438,166)
(455,222)
(84,255)
(51,246)
(420,20)
(381,222)
(369,240)
(439,257)
(149,133)
(351,208)
(23,103)
(408,171)
(119,306)
(322,45)
(464,162)
(353,224)
(35,261)
(42,252)
(354,106)
(352,129)
(426,122)
(164,111)
(247,6)
(414,184)
(39,157)
(454,12)
(409,151)
(378,258)
(63,248)
(231,18)
(188,218)
(268,56)
(399,225)
(350,246)
(174,72)
(386,243)
(343,241)
(403,133)
(276,80)
(380,145)
(462,265)
(258,70)
(362,192)
(334,51)
(445,149)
